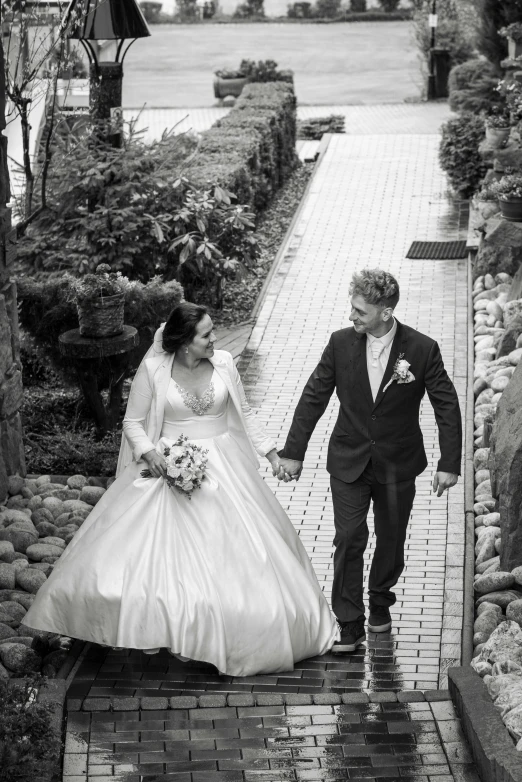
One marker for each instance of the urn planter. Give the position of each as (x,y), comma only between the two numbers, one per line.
(511,209)
(514,48)
(223,87)
(497,137)
(102,316)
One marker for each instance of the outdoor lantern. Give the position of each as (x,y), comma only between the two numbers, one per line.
(89,21)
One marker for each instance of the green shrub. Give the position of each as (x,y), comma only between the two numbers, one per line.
(458,153)
(472,86)
(358,5)
(327,9)
(250,9)
(315,127)
(493,15)
(29,749)
(251,151)
(389,5)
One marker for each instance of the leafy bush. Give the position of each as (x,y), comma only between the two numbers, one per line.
(29,749)
(472,86)
(315,127)
(251,151)
(187,10)
(261,71)
(458,153)
(358,5)
(389,5)
(249,9)
(107,205)
(327,9)
(47,310)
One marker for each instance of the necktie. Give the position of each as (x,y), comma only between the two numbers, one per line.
(376,347)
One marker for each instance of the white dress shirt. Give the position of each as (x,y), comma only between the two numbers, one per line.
(376,369)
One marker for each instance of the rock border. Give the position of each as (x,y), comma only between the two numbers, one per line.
(234,699)
(491,745)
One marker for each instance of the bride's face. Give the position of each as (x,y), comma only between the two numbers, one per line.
(202,346)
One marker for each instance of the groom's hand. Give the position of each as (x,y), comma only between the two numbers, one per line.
(443,481)
(289,469)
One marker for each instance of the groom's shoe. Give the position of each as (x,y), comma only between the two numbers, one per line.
(352,635)
(379,620)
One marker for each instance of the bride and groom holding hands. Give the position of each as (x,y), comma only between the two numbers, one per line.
(222,576)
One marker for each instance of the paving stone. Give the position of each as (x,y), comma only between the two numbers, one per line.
(355,697)
(325,698)
(212,701)
(183,702)
(383,697)
(240,699)
(152,704)
(96,704)
(125,704)
(298,699)
(410,696)
(269,699)
(437,695)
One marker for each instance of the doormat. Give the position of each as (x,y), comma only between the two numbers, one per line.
(437,251)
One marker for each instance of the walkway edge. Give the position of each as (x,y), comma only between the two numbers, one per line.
(492,747)
(469,496)
(277,263)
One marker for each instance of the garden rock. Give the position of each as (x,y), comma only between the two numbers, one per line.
(486,623)
(515,356)
(493,582)
(42,514)
(481,476)
(53,541)
(45,528)
(7,619)
(45,567)
(9,516)
(76,505)
(480,569)
(5,632)
(43,479)
(514,612)
(14,609)
(513,721)
(77,482)
(15,484)
(19,659)
(505,643)
(35,502)
(517,574)
(19,564)
(50,560)
(31,580)
(492,520)
(485,545)
(7,576)
(485,607)
(54,505)
(6,547)
(20,538)
(17,502)
(502,599)
(40,550)
(92,494)
(23,598)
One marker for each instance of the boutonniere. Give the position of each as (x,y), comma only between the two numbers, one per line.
(401,373)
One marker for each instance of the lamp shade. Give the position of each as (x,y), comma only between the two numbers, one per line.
(104,20)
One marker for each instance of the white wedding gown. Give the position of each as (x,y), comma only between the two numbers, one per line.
(221,577)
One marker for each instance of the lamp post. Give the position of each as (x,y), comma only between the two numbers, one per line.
(432,23)
(90,21)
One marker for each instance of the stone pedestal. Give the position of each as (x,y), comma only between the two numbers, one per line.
(11,450)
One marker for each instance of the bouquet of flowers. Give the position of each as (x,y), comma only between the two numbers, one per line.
(186,466)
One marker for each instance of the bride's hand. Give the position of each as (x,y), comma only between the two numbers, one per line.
(156,463)
(273,458)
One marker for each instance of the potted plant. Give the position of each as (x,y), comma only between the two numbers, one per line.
(509,193)
(498,126)
(513,33)
(229,82)
(100,301)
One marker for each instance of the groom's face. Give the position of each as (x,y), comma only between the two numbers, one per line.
(368,318)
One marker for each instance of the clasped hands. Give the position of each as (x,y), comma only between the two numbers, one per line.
(287,469)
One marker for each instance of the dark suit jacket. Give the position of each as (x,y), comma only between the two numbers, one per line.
(386,431)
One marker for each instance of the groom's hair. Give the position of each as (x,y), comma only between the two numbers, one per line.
(376,287)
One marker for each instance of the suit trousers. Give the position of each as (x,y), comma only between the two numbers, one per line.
(392,503)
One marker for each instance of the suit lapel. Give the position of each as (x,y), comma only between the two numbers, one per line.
(360,366)
(397,348)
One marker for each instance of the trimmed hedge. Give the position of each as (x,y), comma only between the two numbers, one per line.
(472,85)
(251,151)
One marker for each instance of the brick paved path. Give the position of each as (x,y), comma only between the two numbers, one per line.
(379,713)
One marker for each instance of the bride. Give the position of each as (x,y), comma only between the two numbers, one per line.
(221,577)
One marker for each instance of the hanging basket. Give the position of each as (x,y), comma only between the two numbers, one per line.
(511,210)
(101,317)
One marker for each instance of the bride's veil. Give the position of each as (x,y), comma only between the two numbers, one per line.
(125,456)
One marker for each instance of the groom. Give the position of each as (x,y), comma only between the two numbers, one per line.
(380,370)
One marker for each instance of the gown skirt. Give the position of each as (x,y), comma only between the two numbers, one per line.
(221,577)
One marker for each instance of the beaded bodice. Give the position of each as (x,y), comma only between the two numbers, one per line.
(198,405)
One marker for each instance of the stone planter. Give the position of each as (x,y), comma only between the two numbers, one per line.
(514,48)
(101,317)
(224,88)
(511,209)
(497,137)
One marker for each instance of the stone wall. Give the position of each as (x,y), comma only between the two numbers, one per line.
(11,448)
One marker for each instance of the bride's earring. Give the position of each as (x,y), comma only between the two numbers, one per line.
(186,350)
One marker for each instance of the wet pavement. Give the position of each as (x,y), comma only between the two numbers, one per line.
(387,714)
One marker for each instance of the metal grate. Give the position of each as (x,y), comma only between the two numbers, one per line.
(437,251)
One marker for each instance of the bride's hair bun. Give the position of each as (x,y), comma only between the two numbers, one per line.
(180,328)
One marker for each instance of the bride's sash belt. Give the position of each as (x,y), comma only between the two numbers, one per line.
(204,428)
